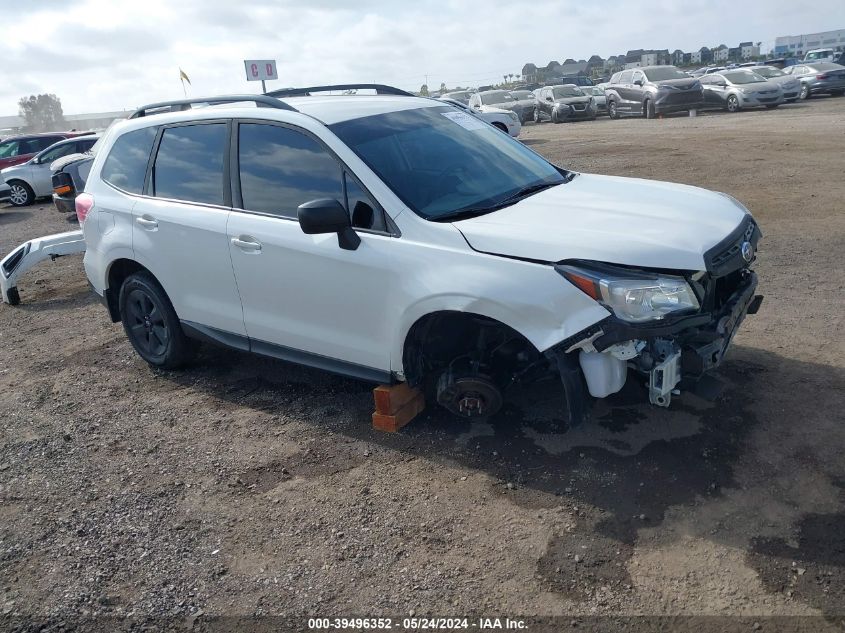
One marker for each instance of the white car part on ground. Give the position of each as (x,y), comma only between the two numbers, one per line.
(30,253)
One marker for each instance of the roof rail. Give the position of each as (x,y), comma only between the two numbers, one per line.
(380,89)
(262,101)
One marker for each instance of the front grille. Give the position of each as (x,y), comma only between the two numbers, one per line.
(726,256)
(578,106)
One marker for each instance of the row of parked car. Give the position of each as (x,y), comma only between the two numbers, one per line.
(654,90)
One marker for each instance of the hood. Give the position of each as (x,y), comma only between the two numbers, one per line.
(571,100)
(768,86)
(784,80)
(625,221)
(5,172)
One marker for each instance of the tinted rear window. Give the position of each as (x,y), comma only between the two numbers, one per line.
(189,163)
(126,164)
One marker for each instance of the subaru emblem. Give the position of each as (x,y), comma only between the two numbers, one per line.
(747,251)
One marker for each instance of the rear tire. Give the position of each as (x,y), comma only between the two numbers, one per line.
(13,296)
(21,194)
(151,324)
(648,109)
(537,118)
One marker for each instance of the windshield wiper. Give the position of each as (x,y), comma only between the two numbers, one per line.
(471,212)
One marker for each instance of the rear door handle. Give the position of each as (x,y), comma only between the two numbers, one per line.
(147,222)
(247,244)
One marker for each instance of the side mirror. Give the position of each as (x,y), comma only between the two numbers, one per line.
(549,99)
(638,82)
(327,215)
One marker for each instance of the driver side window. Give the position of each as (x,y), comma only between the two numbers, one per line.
(282,168)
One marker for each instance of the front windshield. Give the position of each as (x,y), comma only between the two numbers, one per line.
(664,73)
(496,97)
(521,94)
(562,92)
(441,162)
(768,73)
(743,77)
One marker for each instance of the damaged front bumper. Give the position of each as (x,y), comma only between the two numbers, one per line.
(30,253)
(666,351)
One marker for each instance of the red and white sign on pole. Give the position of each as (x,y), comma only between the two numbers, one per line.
(260,69)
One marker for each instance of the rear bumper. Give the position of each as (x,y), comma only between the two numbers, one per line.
(64,204)
(827,86)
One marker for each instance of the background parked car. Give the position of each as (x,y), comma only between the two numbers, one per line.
(790,85)
(563,103)
(69,176)
(598,95)
(5,193)
(819,78)
(458,95)
(707,70)
(524,100)
(505,120)
(733,90)
(15,150)
(32,179)
(821,55)
(652,90)
(501,99)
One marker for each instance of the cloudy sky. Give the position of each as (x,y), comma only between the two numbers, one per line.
(101,55)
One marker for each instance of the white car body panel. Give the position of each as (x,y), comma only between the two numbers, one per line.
(304,292)
(583,220)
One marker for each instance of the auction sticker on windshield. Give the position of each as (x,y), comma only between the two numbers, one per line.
(464,120)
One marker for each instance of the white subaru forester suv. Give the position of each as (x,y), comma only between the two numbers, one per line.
(394,238)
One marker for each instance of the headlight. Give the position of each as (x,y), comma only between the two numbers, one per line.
(631,295)
(746,91)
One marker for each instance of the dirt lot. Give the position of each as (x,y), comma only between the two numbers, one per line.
(248,487)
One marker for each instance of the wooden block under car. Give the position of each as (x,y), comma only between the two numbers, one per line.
(396,406)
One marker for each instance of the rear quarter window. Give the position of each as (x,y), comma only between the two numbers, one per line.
(126,165)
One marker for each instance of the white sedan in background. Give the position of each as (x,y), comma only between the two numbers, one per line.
(505,120)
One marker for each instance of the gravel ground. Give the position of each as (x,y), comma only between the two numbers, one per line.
(249,487)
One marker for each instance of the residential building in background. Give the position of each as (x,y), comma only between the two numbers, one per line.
(749,50)
(798,45)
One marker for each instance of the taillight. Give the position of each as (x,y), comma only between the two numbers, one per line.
(84,202)
(821,76)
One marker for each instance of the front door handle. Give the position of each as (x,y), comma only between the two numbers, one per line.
(246,243)
(147,222)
